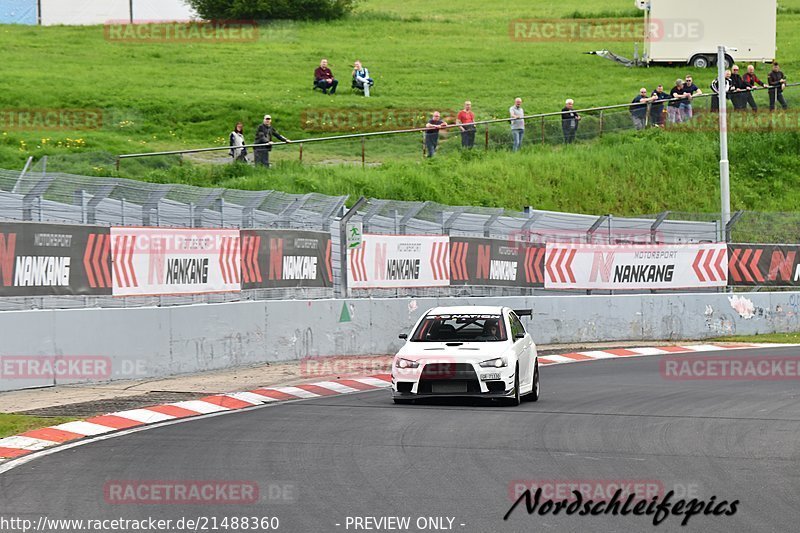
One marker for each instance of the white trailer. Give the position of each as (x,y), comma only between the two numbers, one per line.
(689,31)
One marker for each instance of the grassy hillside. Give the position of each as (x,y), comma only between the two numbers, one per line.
(424,54)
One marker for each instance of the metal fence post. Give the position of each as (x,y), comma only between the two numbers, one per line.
(363,152)
(487,137)
(601,123)
(542,130)
(301,152)
(343,289)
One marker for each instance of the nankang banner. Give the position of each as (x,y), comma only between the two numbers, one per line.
(286,258)
(657,266)
(398,261)
(496,262)
(160,261)
(764,265)
(54,259)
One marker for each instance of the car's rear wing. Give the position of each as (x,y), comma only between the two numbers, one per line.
(524,312)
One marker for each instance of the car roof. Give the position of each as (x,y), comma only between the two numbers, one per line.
(468,310)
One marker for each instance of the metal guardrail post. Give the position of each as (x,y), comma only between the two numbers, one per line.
(487,137)
(542,130)
(411,213)
(655,225)
(363,152)
(731,223)
(331,213)
(447,226)
(103,192)
(35,193)
(301,152)
(487,226)
(343,289)
(152,202)
(27,166)
(249,207)
(601,123)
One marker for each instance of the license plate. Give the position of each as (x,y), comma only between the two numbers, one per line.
(448,388)
(490,377)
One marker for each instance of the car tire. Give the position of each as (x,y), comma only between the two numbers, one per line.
(535,390)
(700,61)
(516,399)
(402,401)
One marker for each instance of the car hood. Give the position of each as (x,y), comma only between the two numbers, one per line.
(466,352)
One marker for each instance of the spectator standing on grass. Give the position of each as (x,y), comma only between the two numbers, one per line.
(238,151)
(715,90)
(323,78)
(657,107)
(432,132)
(739,98)
(569,121)
(639,109)
(678,95)
(694,90)
(517,123)
(751,81)
(466,123)
(264,135)
(361,78)
(777,83)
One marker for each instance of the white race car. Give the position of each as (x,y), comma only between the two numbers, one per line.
(475,351)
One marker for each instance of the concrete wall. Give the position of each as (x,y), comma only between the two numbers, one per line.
(152,342)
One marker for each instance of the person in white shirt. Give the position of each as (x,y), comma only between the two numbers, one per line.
(238,151)
(517,123)
(361,79)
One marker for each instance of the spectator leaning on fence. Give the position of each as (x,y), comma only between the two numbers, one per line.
(238,151)
(361,79)
(777,83)
(569,121)
(751,81)
(466,123)
(517,124)
(694,90)
(677,95)
(432,132)
(323,78)
(639,109)
(264,135)
(715,90)
(657,107)
(738,96)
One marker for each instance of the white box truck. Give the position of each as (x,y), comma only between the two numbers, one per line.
(689,31)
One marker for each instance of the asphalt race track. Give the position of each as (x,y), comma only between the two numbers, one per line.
(318,462)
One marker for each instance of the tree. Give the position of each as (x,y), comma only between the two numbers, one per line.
(272,9)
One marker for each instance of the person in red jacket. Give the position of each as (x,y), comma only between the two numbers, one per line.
(751,81)
(323,78)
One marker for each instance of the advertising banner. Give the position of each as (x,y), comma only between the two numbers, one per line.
(635,267)
(399,261)
(495,262)
(159,261)
(54,259)
(766,265)
(286,258)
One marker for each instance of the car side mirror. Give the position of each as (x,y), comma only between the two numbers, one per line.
(519,336)
(403,336)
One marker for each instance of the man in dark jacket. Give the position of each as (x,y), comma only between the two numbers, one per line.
(715,91)
(777,83)
(264,135)
(751,81)
(323,78)
(739,98)
(639,109)
(657,107)
(569,121)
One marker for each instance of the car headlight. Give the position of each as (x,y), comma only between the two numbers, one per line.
(500,362)
(406,363)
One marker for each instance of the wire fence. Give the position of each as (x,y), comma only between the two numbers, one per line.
(371,142)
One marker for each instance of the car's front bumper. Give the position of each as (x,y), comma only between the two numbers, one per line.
(453,380)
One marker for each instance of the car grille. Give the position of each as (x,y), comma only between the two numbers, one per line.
(454,378)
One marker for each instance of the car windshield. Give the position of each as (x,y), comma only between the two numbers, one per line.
(460,328)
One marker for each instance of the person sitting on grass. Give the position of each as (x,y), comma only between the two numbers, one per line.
(323,78)
(361,79)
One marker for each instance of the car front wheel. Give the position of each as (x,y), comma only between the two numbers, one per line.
(534,395)
(516,399)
